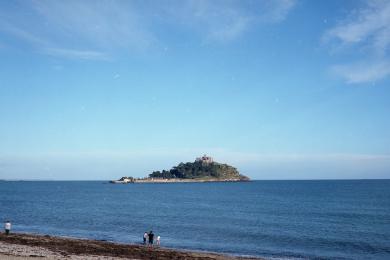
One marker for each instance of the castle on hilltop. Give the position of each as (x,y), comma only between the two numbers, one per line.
(205,159)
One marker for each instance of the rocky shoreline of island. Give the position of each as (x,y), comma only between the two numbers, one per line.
(162,180)
(25,246)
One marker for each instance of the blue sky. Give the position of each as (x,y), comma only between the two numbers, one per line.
(287,89)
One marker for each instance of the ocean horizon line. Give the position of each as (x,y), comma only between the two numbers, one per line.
(106,180)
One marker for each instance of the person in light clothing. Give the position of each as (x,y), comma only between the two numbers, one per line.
(7,227)
(158,240)
(145,237)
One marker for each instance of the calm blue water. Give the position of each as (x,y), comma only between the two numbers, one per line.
(272,219)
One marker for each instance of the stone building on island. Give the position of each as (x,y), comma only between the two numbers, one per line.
(205,159)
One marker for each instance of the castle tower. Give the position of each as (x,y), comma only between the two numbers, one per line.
(205,159)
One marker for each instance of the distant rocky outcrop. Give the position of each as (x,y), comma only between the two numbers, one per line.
(124,180)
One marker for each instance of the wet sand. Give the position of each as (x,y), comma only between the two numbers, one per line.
(27,246)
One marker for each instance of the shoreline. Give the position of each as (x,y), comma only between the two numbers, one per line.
(26,246)
(176,180)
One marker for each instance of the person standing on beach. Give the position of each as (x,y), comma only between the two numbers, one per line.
(151,237)
(7,227)
(145,237)
(158,240)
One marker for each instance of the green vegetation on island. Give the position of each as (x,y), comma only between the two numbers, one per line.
(204,168)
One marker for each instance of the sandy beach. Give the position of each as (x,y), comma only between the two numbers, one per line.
(27,246)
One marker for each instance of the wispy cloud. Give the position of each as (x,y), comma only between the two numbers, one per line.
(367,32)
(77,54)
(98,29)
(22,34)
(45,45)
(362,72)
(218,22)
(104,24)
(278,10)
(224,21)
(77,29)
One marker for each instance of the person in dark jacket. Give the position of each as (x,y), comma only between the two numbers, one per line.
(151,237)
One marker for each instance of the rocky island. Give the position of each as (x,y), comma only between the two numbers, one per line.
(203,169)
(123,180)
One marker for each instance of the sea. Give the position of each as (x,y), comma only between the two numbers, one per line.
(326,219)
